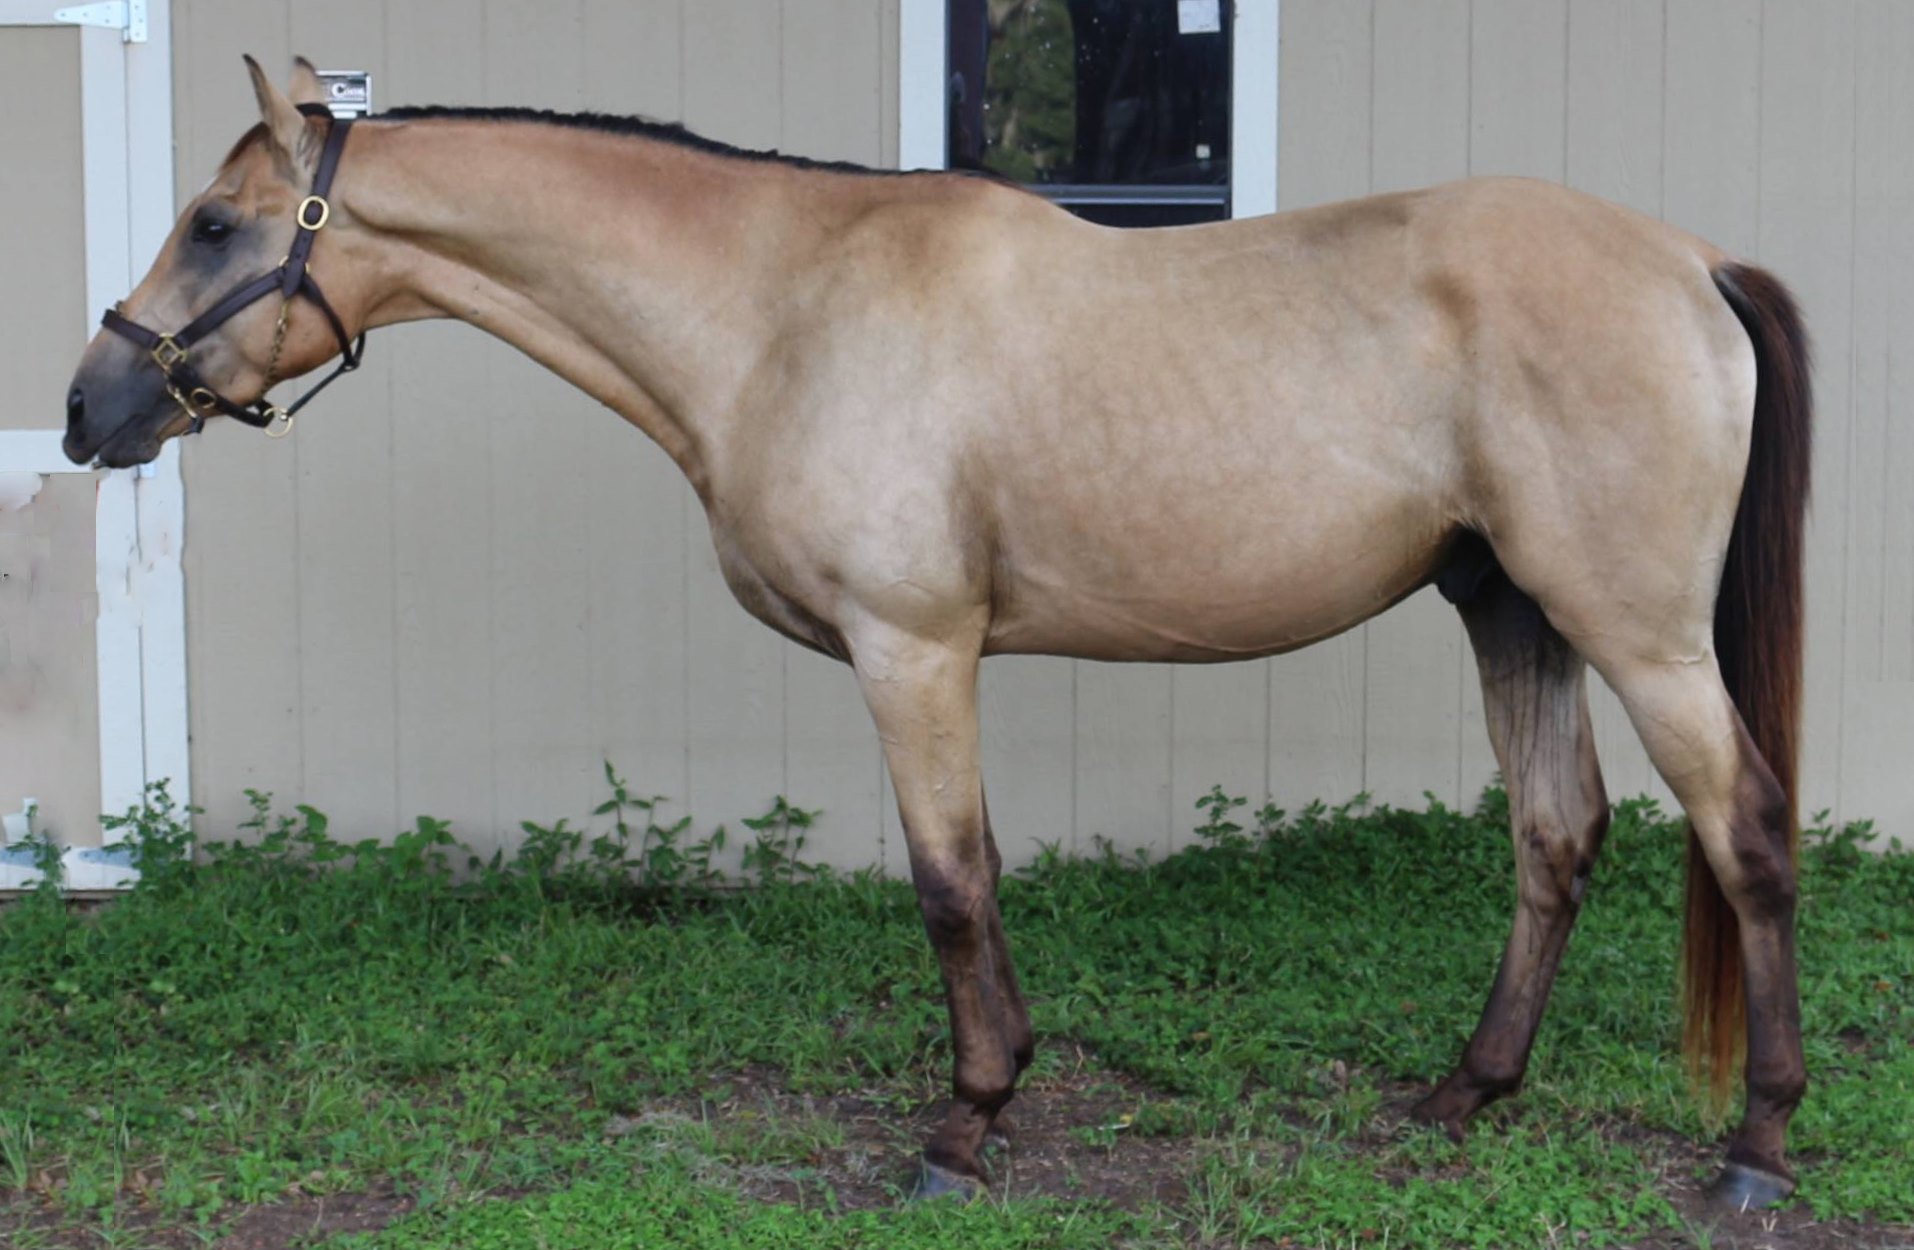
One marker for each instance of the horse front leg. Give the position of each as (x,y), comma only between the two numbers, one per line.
(923,696)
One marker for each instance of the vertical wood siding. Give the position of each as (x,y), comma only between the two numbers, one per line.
(462,585)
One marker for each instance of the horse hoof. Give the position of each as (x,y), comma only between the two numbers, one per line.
(1432,1112)
(935,1181)
(1742,1188)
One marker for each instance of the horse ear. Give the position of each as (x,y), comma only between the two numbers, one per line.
(306,87)
(285,124)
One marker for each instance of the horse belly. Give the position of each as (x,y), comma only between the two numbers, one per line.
(1216,585)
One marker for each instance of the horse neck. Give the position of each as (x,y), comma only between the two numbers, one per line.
(645,273)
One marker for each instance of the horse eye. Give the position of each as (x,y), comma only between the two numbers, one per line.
(211,230)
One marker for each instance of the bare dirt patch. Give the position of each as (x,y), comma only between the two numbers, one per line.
(1067,1137)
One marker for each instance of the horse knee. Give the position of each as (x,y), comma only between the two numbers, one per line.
(953,908)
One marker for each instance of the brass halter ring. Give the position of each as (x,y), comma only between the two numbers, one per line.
(325,212)
(278,423)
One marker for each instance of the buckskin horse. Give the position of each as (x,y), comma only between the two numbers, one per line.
(1589,429)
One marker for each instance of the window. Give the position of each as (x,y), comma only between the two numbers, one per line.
(1117,109)
(1127,112)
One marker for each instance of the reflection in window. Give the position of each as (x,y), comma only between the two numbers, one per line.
(1118,109)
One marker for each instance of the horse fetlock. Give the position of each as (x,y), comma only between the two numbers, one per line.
(1490,1086)
(1472,1086)
(1775,1095)
(1760,1144)
(1761,1141)
(1493,1065)
(988,1085)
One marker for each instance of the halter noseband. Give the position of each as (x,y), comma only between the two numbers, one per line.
(172,352)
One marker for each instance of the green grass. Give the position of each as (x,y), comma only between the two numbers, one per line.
(299,1017)
(666,1207)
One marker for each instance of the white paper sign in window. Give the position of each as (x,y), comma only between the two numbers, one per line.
(1199,17)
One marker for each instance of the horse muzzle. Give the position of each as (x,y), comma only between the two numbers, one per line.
(116,426)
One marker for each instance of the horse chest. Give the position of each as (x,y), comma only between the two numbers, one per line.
(777,601)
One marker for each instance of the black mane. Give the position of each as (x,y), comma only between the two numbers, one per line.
(638,127)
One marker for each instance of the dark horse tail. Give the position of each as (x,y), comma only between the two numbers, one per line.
(1758,642)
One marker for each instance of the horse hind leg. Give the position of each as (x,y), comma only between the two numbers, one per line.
(1537,709)
(1741,819)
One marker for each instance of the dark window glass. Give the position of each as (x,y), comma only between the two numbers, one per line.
(1117,109)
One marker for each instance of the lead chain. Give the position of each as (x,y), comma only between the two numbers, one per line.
(278,342)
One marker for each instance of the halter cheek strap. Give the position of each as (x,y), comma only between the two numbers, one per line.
(173,352)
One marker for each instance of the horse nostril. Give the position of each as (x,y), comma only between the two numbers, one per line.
(75,406)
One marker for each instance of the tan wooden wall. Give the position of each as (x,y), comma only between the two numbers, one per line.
(462,585)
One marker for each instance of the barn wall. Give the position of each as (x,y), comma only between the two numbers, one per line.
(461,585)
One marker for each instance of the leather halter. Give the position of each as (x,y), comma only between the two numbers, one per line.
(173,352)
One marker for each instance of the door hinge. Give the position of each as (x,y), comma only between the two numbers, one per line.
(126,16)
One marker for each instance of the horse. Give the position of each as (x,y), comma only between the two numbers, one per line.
(1588,429)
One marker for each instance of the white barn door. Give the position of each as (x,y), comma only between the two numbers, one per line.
(92,621)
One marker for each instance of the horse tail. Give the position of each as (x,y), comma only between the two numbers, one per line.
(1758,643)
